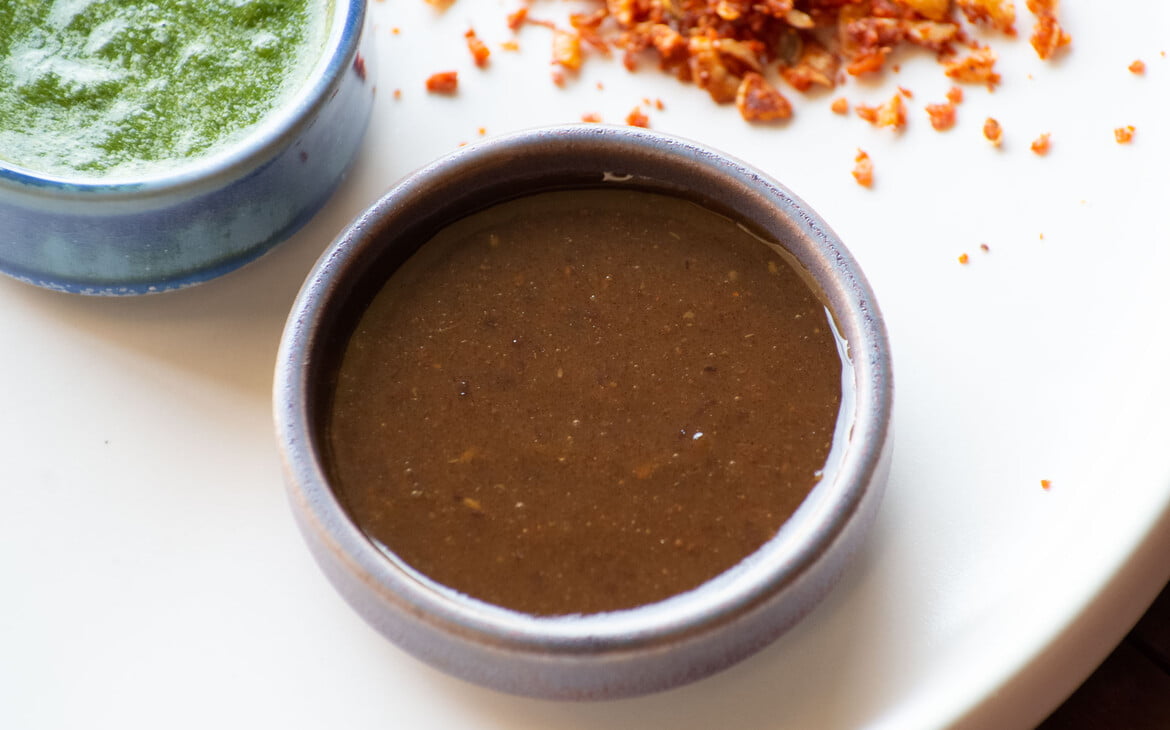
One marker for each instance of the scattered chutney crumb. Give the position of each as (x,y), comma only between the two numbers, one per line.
(905,92)
(516,19)
(1124,135)
(558,78)
(955,95)
(993,131)
(395,30)
(942,116)
(482,131)
(566,49)
(600,86)
(397,94)
(1041,236)
(592,117)
(1047,35)
(1042,144)
(759,101)
(863,169)
(659,105)
(479,50)
(976,68)
(964,258)
(716,44)
(637,119)
(890,114)
(1137,67)
(1045,483)
(840,105)
(444,82)
(511,46)
(998,14)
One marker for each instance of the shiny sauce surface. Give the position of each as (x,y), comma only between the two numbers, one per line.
(584,401)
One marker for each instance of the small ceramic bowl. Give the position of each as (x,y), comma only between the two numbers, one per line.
(200,219)
(603,655)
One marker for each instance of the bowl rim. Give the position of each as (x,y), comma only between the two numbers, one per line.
(782,562)
(253,148)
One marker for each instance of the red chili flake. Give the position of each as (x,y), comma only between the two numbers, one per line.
(359,66)
(984,247)
(444,82)
(637,119)
(479,50)
(1124,135)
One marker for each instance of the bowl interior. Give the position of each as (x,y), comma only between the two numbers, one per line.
(477,177)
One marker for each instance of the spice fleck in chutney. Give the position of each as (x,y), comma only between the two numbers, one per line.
(584,401)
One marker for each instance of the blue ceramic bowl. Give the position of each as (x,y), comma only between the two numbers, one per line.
(621,653)
(205,218)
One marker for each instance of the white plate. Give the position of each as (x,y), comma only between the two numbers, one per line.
(152,575)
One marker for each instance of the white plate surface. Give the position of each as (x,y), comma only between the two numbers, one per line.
(151,575)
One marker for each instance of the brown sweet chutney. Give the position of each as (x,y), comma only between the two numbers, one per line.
(584,401)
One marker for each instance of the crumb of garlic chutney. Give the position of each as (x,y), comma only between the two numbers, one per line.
(863,169)
(1042,144)
(443,82)
(993,131)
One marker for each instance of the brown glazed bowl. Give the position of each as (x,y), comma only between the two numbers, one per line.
(604,655)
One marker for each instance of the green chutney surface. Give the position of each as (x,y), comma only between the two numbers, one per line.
(128,87)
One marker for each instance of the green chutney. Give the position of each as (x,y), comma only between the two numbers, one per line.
(128,87)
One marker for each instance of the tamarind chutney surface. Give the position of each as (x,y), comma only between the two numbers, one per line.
(584,401)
